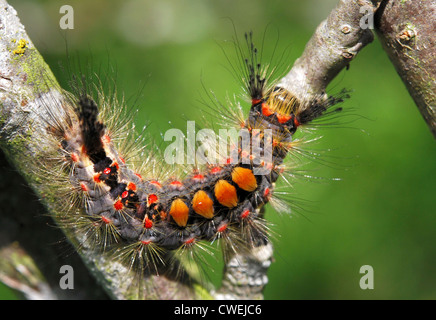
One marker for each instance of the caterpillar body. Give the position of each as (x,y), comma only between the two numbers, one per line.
(141,217)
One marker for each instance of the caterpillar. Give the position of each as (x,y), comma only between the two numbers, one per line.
(141,215)
(373,201)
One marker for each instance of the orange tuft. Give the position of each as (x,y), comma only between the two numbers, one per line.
(97,178)
(267,193)
(152,198)
(180,212)
(296,122)
(105,220)
(282,118)
(106,139)
(146,242)
(225,193)
(198,178)
(245,213)
(190,241)
(215,170)
(244,178)
(162,214)
(74,157)
(118,205)
(222,227)
(266,110)
(131,186)
(156,183)
(147,223)
(177,185)
(83,187)
(203,204)
(255,101)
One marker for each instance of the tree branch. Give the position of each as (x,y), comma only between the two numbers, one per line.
(336,41)
(406,30)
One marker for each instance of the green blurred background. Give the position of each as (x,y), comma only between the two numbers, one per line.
(381,213)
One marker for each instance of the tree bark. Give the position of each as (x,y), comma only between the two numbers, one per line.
(406,30)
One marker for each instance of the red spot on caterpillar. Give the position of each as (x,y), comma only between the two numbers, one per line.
(198,178)
(125,194)
(245,214)
(74,157)
(147,223)
(222,227)
(275,143)
(190,240)
(146,242)
(106,139)
(203,204)
(180,212)
(266,110)
(176,185)
(296,122)
(122,160)
(139,176)
(152,198)
(283,118)
(115,164)
(97,178)
(163,214)
(83,187)
(105,220)
(107,171)
(215,170)
(266,193)
(118,205)
(225,193)
(255,101)
(131,186)
(244,178)
(155,183)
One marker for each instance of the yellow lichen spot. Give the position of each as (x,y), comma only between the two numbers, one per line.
(21,47)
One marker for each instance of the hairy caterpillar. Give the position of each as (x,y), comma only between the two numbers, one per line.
(382,203)
(141,216)
(112,207)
